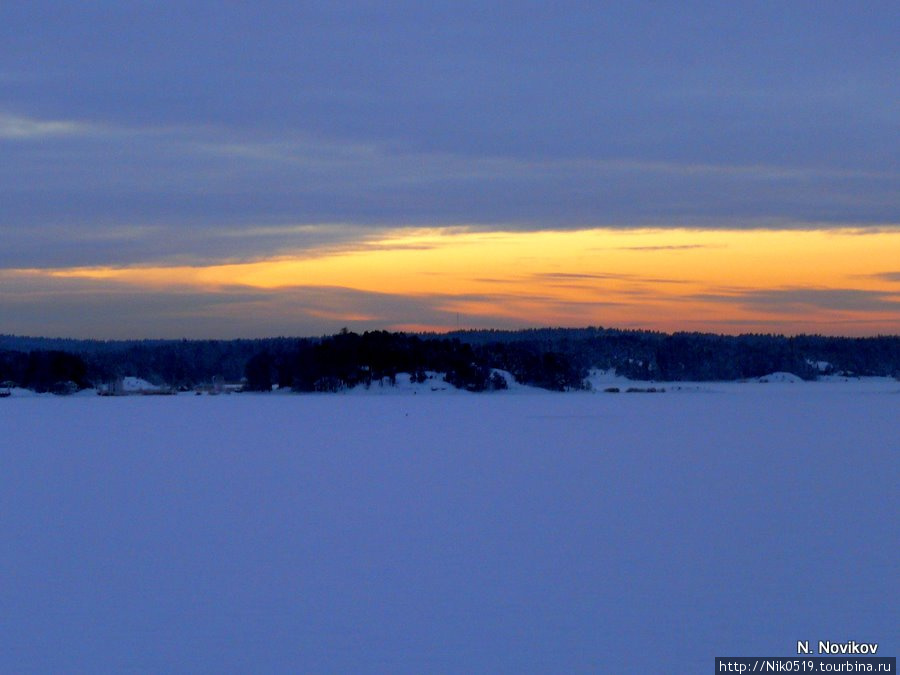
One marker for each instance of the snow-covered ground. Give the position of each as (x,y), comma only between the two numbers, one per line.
(136,384)
(514,532)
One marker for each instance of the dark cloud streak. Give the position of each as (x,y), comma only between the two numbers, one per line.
(800,300)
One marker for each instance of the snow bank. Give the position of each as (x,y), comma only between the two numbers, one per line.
(781,378)
(136,384)
(403,385)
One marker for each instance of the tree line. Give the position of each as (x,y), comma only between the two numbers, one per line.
(556,359)
(652,355)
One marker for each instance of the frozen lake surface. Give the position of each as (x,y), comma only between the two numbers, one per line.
(518,532)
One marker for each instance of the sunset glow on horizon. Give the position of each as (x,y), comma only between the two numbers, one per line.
(727,281)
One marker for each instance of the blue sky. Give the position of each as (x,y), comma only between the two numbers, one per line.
(137,133)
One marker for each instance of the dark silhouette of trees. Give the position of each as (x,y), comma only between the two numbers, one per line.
(552,358)
(44,371)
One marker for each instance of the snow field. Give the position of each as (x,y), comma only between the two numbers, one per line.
(534,533)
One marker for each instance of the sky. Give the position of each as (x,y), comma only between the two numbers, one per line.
(223,170)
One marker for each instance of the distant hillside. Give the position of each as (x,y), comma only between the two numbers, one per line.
(553,358)
(701,356)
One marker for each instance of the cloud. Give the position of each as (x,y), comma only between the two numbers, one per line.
(416,166)
(885,276)
(571,275)
(39,302)
(100,244)
(636,278)
(205,192)
(17,128)
(801,300)
(681,247)
(36,303)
